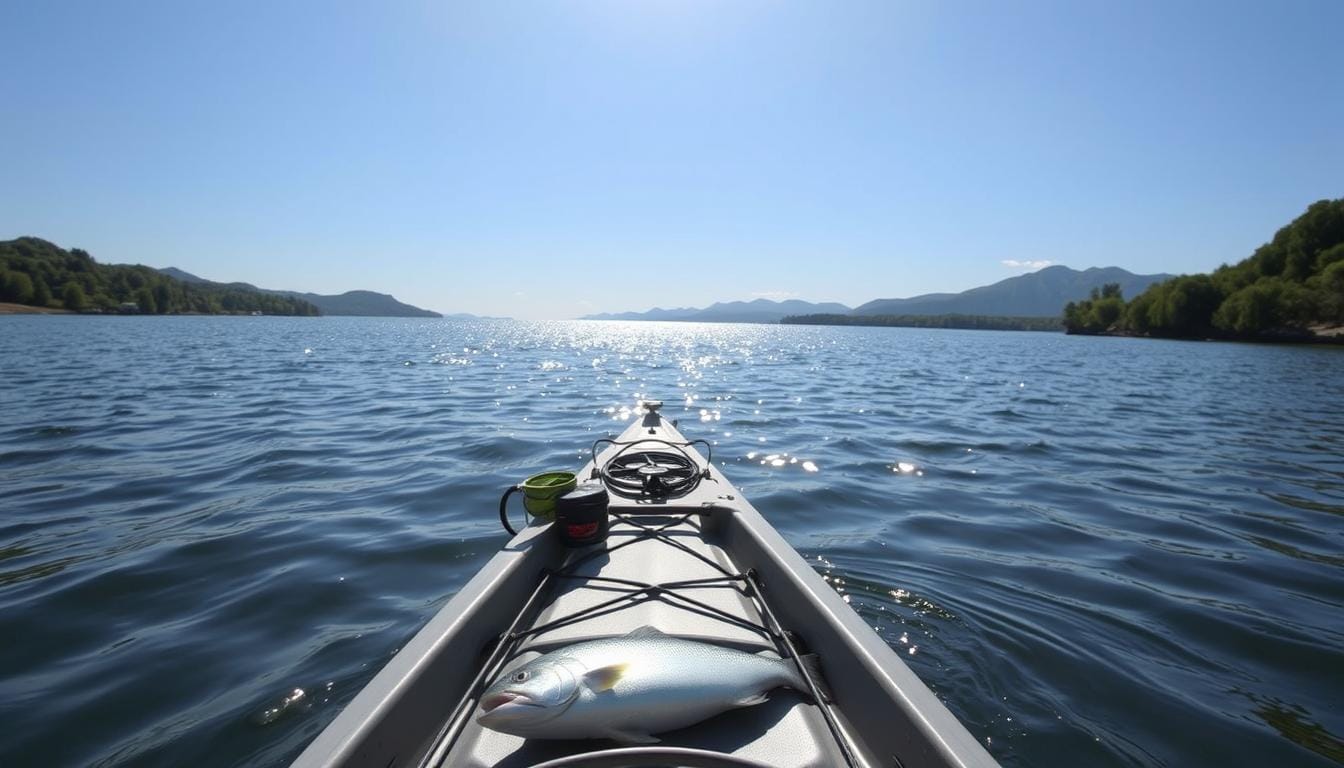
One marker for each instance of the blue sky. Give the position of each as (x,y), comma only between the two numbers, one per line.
(549,159)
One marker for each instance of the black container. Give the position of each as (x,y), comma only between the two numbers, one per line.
(581,515)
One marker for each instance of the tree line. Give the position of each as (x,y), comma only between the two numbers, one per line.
(1293,282)
(41,274)
(968,322)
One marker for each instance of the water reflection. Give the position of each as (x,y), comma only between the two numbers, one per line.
(1298,726)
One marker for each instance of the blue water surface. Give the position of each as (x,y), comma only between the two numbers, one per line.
(1096,551)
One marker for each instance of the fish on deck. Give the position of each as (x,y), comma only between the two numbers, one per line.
(628,688)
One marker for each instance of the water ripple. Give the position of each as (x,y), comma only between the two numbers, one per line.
(1095,551)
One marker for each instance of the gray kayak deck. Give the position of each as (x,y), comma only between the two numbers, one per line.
(552,597)
(785,731)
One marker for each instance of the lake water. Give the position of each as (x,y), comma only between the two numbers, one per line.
(1096,551)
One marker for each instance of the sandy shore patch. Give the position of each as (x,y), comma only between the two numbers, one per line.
(23,309)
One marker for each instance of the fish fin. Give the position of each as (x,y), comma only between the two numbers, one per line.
(751,699)
(604,678)
(811,663)
(645,632)
(631,737)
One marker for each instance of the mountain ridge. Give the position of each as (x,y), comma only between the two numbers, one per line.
(755,311)
(1042,293)
(357,303)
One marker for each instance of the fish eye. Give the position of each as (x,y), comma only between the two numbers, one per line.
(520,676)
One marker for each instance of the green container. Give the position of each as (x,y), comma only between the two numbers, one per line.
(541,491)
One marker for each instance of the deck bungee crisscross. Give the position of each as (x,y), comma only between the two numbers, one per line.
(633,590)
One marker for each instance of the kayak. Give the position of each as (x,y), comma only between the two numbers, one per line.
(687,557)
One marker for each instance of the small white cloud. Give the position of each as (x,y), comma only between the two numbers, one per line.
(774,295)
(519,295)
(1032,265)
(586,304)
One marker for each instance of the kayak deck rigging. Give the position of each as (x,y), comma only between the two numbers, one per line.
(583,574)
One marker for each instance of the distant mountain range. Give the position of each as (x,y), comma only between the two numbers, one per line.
(469,316)
(1037,294)
(758,311)
(356,303)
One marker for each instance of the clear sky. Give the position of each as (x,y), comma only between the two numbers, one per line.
(547,159)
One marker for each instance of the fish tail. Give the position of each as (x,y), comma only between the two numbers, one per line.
(810,665)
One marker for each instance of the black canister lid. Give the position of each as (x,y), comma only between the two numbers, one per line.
(589,493)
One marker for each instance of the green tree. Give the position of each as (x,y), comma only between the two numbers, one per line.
(1102,312)
(1183,306)
(1106,312)
(1329,256)
(1138,312)
(80,260)
(1231,278)
(163,298)
(1266,305)
(1312,233)
(17,287)
(1331,287)
(73,297)
(1073,318)
(41,292)
(145,299)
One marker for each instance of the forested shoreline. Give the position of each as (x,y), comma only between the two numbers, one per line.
(1291,288)
(37,273)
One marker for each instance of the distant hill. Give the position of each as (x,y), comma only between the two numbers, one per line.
(469,316)
(1038,294)
(363,304)
(350,303)
(657,313)
(758,311)
(38,273)
(187,277)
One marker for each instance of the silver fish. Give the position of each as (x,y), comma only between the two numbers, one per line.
(628,688)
